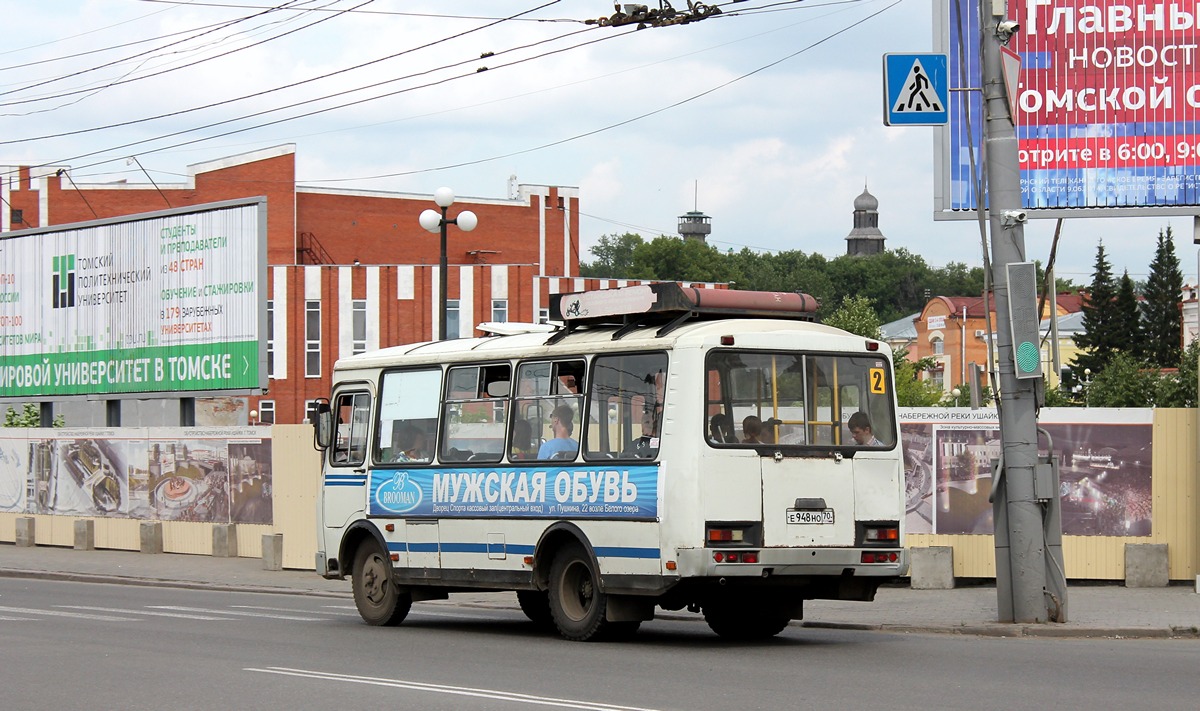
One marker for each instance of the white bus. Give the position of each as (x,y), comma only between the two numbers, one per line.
(666,447)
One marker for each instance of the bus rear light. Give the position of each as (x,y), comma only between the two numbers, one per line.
(872,557)
(727,340)
(725,535)
(882,534)
(872,346)
(735,557)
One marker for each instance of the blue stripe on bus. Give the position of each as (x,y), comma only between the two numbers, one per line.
(514,549)
(348,482)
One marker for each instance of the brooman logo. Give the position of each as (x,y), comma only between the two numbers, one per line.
(400,495)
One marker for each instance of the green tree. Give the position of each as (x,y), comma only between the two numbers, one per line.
(1162,338)
(675,259)
(613,257)
(1178,389)
(29,416)
(911,391)
(1125,382)
(1099,339)
(856,316)
(1127,317)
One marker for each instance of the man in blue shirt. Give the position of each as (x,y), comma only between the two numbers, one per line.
(562,423)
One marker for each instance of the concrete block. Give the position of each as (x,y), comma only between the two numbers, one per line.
(224,540)
(151,538)
(85,535)
(26,532)
(1146,565)
(272,551)
(931,568)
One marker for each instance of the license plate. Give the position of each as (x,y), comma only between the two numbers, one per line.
(810,515)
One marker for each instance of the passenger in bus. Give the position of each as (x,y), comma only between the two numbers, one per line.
(562,446)
(408,445)
(752,430)
(522,440)
(860,430)
(646,446)
(720,429)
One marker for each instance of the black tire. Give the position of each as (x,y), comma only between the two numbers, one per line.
(576,602)
(376,596)
(739,623)
(536,606)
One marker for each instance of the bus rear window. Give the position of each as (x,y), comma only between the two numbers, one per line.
(780,398)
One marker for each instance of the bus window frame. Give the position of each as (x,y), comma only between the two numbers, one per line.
(866,403)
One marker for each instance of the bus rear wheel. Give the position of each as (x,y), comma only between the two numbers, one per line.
(577,604)
(379,601)
(740,623)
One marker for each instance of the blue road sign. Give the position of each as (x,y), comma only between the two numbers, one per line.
(915,89)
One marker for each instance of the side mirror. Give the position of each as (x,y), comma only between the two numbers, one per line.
(322,425)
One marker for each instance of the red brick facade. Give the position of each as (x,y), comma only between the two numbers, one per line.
(335,246)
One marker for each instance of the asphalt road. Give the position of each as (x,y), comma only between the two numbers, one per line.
(73,645)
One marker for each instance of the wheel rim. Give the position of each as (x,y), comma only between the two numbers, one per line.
(577,591)
(374,579)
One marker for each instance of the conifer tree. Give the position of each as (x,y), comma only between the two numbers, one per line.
(1162,336)
(1099,339)
(1127,319)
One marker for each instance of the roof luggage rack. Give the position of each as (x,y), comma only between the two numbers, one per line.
(669,305)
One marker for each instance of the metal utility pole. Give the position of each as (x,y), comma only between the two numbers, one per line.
(1022,500)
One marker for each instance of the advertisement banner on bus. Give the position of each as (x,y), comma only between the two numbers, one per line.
(1106,109)
(582,491)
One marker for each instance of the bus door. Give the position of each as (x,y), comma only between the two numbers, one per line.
(849,475)
(789,408)
(344,494)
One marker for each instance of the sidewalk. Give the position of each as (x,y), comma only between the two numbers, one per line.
(1094,610)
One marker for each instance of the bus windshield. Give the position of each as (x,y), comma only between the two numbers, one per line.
(785,398)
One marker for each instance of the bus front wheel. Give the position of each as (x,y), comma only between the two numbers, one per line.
(576,603)
(376,596)
(536,606)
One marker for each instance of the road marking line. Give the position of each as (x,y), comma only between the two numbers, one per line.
(16,619)
(453,690)
(56,613)
(151,613)
(239,613)
(288,609)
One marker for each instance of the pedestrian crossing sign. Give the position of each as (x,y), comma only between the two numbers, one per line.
(915,89)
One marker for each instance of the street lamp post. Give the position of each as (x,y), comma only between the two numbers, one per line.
(434,222)
(956,392)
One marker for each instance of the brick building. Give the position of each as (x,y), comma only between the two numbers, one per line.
(953,330)
(348,270)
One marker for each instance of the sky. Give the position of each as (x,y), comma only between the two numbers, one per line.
(767,117)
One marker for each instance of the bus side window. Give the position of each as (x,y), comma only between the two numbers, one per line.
(626,398)
(476,413)
(408,415)
(351,417)
(542,388)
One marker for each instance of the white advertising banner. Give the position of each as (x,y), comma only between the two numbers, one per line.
(166,302)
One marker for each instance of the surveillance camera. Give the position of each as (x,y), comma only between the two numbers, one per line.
(1014,217)
(1008,27)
